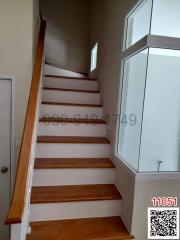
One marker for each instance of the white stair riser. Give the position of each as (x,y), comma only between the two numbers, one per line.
(71,97)
(56,177)
(71,111)
(71,84)
(47,150)
(56,71)
(73,210)
(72,129)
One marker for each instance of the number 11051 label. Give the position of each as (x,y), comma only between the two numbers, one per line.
(164,201)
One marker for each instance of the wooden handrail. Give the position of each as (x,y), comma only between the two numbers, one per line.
(17,207)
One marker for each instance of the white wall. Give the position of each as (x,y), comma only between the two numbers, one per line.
(107,27)
(146,188)
(67,40)
(16,47)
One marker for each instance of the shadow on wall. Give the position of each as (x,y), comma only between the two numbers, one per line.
(56,43)
(67,38)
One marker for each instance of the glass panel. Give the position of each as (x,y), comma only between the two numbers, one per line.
(139,23)
(131,108)
(166,18)
(161,122)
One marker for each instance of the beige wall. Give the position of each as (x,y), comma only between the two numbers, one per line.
(16,48)
(107,27)
(67,40)
(36,24)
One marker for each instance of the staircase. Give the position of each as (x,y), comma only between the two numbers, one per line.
(73,195)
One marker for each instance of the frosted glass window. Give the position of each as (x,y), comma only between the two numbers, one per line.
(139,23)
(160,143)
(94,57)
(131,108)
(166,18)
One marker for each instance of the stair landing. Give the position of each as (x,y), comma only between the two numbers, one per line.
(110,228)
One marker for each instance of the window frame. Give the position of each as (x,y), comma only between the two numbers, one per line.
(147,42)
(131,12)
(92,68)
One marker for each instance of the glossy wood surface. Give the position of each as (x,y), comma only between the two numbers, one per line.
(72,139)
(72,120)
(74,193)
(55,163)
(109,228)
(72,104)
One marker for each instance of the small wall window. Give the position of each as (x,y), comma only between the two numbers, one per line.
(138,23)
(94,57)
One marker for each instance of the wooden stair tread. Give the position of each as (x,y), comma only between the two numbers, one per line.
(75,193)
(70,90)
(108,228)
(72,104)
(72,139)
(54,163)
(71,78)
(72,120)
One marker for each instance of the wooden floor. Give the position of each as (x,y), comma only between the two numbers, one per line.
(50,163)
(54,194)
(111,228)
(72,120)
(72,78)
(70,90)
(72,139)
(73,104)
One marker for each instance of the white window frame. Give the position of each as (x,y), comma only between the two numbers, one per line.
(149,41)
(152,41)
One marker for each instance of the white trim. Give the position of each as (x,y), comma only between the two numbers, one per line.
(147,175)
(74,210)
(16,230)
(158,176)
(118,110)
(156,41)
(135,48)
(57,177)
(152,41)
(128,16)
(134,8)
(12,163)
(126,23)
